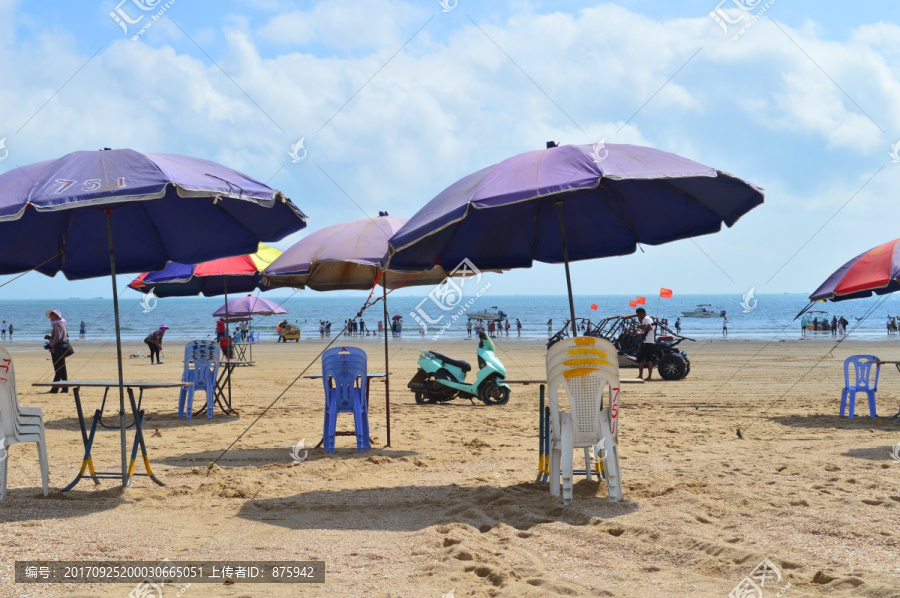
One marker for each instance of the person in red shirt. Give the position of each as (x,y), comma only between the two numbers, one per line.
(220,329)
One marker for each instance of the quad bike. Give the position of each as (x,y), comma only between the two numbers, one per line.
(622,331)
(441,378)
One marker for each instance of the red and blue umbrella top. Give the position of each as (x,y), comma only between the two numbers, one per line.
(877,271)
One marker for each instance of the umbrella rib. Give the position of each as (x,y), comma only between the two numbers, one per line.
(155,230)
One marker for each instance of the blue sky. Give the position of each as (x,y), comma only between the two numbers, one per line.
(396,100)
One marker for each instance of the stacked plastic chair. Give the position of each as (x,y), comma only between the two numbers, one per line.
(18,424)
(345,375)
(586,367)
(860,382)
(201,369)
(253,336)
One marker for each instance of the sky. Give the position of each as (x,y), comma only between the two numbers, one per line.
(395,100)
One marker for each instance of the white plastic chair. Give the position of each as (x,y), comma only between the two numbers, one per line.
(18,424)
(586,367)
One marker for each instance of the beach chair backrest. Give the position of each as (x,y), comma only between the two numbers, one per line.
(861,376)
(344,372)
(201,363)
(8,371)
(585,367)
(8,403)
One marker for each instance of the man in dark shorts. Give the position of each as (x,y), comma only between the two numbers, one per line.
(648,346)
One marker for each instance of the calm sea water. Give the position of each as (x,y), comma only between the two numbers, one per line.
(191,318)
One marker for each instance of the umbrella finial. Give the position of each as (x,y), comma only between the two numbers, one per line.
(552,144)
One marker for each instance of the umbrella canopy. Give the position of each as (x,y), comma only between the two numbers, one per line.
(239,274)
(93,214)
(164,208)
(877,271)
(346,256)
(571,202)
(633,195)
(249,306)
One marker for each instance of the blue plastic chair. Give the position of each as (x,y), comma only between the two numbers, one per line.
(345,376)
(862,370)
(253,336)
(201,369)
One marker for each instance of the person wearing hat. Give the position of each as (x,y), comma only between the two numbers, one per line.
(58,345)
(648,343)
(154,341)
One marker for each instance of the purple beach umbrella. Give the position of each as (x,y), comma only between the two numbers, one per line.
(249,306)
(571,202)
(98,213)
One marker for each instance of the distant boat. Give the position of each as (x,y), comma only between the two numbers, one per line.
(822,322)
(495,315)
(702,312)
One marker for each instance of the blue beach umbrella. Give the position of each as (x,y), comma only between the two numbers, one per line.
(90,214)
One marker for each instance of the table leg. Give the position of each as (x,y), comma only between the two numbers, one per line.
(139,442)
(540,438)
(103,406)
(86,462)
(546,445)
(76,391)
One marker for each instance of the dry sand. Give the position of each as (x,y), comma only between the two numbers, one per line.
(452,505)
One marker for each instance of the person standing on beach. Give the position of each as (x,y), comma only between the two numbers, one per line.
(725,326)
(82,329)
(154,342)
(804,322)
(834,325)
(220,329)
(10,331)
(648,345)
(678,325)
(507,328)
(550,327)
(59,348)
(245,330)
(519,326)
(3,330)
(469,328)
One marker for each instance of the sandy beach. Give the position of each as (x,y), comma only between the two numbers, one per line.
(452,504)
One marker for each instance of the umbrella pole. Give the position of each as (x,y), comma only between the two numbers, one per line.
(112,271)
(387,373)
(562,234)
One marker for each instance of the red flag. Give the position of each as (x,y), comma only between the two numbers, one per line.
(665,293)
(641,301)
(593,306)
(632,303)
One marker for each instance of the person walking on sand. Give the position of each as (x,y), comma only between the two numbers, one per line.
(154,342)
(82,329)
(518,327)
(725,326)
(59,347)
(648,345)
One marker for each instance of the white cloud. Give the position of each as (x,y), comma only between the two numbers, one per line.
(452,102)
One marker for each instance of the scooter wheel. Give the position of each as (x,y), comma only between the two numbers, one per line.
(420,399)
(492,393)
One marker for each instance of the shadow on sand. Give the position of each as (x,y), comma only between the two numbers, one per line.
(411,508)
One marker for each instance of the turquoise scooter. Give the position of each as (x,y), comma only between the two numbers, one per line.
(441,378)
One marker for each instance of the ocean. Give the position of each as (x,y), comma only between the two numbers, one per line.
(189,318)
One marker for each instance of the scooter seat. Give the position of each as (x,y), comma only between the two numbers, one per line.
(463,365)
